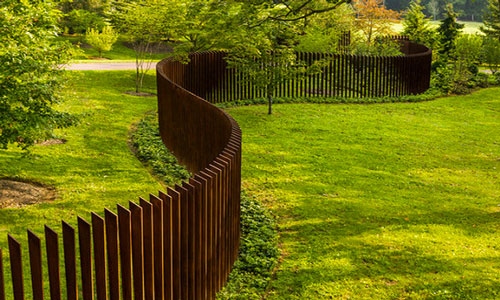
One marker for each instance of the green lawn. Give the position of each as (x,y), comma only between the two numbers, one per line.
(384,201)
(94,169)
(470,27)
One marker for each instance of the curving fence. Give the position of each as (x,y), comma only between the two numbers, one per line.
(181,244)
(341,75)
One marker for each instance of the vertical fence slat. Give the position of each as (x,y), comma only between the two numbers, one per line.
(99,256)
(70,261)
(158,245)
(167,245)
(112,254)
(190,215)
(137,250)
(2,281)
(16,268)
(35,251)
(52,244)
(147,235)
(198,245)
(176,243)
(124,234)
(85,242)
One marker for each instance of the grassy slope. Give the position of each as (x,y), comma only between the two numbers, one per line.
(389,201)
(95,169)
(470,27)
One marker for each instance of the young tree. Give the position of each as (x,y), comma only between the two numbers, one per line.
(433,7)
(374,19)
(30,76)
(448,31)
(416,26)
(265,58)
(145,24)
(492,20)
(101,41)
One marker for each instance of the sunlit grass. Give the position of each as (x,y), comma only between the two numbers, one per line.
(470,27)
(384,201)
(93,170)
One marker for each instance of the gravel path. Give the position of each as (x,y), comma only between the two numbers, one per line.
(103,66)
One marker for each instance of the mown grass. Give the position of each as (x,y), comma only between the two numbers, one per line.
(93,170)
(383,201)
(469,26)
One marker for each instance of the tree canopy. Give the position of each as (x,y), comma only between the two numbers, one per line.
(30,76)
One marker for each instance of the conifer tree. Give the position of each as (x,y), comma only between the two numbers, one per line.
(416,26)
(448,30)
(492,20)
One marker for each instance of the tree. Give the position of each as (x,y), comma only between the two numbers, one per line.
(374,19)
(101,41)
(416,26)
(492,20)
(30,77)
(433,7)
(449,30)
(145,24)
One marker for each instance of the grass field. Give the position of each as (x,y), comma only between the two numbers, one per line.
(384,201)
(470,27)
(93,170)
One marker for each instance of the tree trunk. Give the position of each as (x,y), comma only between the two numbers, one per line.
(270,101)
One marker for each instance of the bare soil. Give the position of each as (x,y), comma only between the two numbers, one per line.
(15,193)
(51,142)
(141,94)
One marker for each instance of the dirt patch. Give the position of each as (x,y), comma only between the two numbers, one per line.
(15,193)
(141,94)
(51,142)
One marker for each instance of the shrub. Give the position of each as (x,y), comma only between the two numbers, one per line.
(491,53)
(101,41)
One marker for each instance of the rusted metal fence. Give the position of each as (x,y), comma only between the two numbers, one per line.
(341,75)
(179,244)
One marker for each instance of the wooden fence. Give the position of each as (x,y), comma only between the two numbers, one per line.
(341,75)
(179,244)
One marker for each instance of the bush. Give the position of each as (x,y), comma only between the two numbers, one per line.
(101,41)
(78,20)
(258,255)
(491,53)
(150,149)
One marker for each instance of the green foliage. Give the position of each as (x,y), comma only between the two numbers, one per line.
(150,149)
(491,53)
(30,76)
(379,47)
(101,41)
(258,253)
(417,27)
(492,20)
(448,31)
(79,20)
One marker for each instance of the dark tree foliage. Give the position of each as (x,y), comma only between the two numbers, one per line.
(448,31)
(492,20)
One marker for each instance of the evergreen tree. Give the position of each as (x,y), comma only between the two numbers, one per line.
(416,26)
(449,30)
(492,20)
